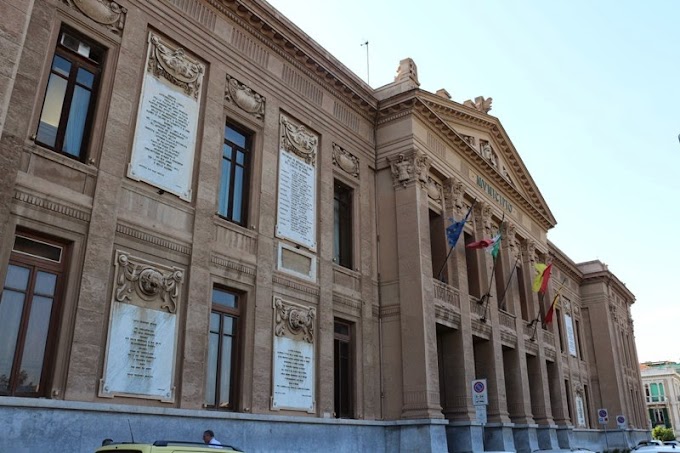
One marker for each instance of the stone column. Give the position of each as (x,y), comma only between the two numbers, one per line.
(418,333)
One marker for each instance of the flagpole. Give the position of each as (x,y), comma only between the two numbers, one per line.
(505,290)
(446,260)
(485,298)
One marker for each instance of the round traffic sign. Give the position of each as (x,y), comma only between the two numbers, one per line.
(602,413)
(621,419)
(479,387)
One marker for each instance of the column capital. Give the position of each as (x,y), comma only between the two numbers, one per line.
(410,166)
(453,195)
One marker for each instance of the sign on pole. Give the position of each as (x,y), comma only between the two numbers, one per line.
(480,410)
(479,392)
(621,421)
(602,416)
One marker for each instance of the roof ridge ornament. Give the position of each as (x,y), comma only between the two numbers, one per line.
(407,71)
(481,104)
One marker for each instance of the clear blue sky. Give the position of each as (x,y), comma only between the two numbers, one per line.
(587,91)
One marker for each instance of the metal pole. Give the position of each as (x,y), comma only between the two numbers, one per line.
(605,437)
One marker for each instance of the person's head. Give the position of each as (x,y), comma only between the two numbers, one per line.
(107,442)
(208,435)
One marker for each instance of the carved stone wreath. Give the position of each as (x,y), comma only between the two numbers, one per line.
(244,97)
(345,161)
(294,320)
(136,278)
(434,189)
(298,140)
(105,12)
(174,66)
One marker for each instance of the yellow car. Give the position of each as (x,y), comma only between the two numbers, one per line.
(165,446)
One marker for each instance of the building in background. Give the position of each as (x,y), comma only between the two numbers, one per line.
(207,221)
(661,383)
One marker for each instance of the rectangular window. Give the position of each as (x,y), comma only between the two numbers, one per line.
(342,356)
(68,108)
(29,310)
(235,175)
(342,224)
(438,247)
(521,288)
(223,356)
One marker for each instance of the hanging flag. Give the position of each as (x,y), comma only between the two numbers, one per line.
(549,316)
(541,281)
(481,244)
(496,247)
(454,230)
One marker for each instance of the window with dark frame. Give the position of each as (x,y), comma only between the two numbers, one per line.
(71,94)
(29,307)
(235,175)
(342,224)
(223,347)
(342,356)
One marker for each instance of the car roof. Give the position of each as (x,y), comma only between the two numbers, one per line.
(169,446)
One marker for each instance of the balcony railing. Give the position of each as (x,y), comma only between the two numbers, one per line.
(477,308)
(506,319)
(445,293)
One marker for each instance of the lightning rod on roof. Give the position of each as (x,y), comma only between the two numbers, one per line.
(368,73)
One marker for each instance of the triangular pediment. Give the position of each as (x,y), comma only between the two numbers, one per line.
(483,135)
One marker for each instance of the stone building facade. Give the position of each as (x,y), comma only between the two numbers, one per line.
(661,383)
(207,221)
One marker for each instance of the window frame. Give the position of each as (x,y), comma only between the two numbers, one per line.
(77,61)
(237,314)
(344,224)
(35,264)
(351,353)
(247,173)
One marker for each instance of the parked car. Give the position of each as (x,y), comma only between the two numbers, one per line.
(674,443)
(648,443)
(165,446)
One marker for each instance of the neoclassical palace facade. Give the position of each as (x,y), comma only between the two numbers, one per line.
(208,222)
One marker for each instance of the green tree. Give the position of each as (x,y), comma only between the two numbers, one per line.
(662,433)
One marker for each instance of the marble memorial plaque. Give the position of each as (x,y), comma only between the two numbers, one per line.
(141,345)
(167,121)
(141,352)
(296,216)
(293,374)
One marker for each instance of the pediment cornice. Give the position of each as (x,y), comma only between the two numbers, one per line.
(295,47)
(414,103)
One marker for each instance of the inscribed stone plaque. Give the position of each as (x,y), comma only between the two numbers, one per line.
(140,352)
(142,338)
(293,367)
(296,216)
(167,121)
(293,374)
(571,341)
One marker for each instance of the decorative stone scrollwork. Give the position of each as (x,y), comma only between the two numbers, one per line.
(105,12)
(294,320)
(244,97)
(296,139)
(407,167)
(453,195)
(482,216)
(174,66)
(510,238)
(135,276)
(345,160)
(434,189)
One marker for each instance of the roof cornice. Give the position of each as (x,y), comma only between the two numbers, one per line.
(288,41)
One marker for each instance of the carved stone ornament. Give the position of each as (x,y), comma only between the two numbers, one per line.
(298,140)
(345,161)
(510,238)
(566,305)
(407,167)
(175,66)
(434,189)
(470,140)
(144,283)
(293,320)
(481,104)
(453,195)
(482,215)
(529,249)
(488,152)
(245,98)
(105,12)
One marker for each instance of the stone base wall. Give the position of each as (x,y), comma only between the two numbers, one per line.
(76,427)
